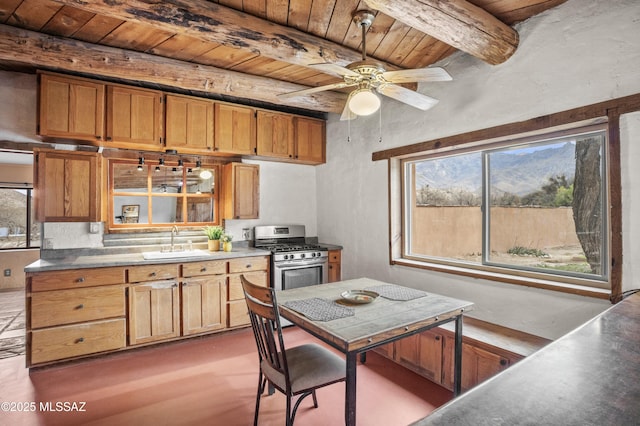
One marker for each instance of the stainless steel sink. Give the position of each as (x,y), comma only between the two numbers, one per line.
(154,255)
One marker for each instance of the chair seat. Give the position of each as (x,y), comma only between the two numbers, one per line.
(310,366)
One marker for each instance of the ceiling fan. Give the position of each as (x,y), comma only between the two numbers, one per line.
(369,75)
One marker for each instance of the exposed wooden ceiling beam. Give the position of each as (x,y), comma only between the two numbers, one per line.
(456,22)
(39,50)
(212,22)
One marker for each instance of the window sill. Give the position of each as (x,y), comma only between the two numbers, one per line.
(563,287)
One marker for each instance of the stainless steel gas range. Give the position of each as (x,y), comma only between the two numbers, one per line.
(294,261)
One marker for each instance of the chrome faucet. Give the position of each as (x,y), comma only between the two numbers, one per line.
(174,232)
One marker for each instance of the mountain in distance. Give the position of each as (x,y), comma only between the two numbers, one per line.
(519,171)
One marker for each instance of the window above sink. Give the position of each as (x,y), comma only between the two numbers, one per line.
(160,192)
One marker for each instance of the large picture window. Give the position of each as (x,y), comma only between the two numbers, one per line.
(536,208)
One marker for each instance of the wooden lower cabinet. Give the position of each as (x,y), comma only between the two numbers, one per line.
(238,312)
(478,365)
(487,349)
(204,304)
(154,311)
(422,353)
(335,265)
(55,343)
(79,312)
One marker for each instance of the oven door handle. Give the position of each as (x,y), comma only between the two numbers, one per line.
(298,265)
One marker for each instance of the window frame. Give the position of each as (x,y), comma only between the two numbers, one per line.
(149,194)
(602,112)
(486,267)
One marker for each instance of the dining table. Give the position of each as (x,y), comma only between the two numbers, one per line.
(355,316)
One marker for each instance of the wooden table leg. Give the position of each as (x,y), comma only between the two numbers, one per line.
(350,393)
(457,363)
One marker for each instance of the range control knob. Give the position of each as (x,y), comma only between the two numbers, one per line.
(313,255)
(302,256)
(319,254)
(286,256)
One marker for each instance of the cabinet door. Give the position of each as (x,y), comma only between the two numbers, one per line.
(335,266)
(234,129)
(71,108)
(189,124)
(310,140)
(204,304)
(154,312)
(478,365)
(422,353)
(275,136)
(66,188)
(134,117)
(241,191)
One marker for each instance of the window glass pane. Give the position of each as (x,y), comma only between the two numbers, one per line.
(13,217)
(546,210)
(199,209)
(200,181)
(130,209)
(127,178)
(35,226)
(443,203)
(163,209)
(166,180)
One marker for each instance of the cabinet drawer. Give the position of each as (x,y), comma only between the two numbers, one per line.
(235,285)
(248,264)
(74,340)
(238,313)
(212,267)
(79,305)
(153,273)
(335,256)
(58,280)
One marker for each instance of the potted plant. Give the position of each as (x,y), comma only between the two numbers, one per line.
(226,242)
(213,233)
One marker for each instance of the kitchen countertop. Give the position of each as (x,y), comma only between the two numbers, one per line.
(129,259)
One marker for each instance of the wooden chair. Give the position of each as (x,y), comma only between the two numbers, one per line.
(296,371)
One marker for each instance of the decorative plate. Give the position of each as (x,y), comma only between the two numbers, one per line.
(360,296)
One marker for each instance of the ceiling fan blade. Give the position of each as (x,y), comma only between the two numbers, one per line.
(420,74)
(409,97)
(335,69)
(310,90)
(347,114)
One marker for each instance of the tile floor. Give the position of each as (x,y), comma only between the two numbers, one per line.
(12,323)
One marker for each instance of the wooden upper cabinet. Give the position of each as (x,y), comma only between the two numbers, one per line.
(310,140)
(275,135)
(234,129)
(134,118)
(240,191)
(71,108)
(188,124)
(66,186)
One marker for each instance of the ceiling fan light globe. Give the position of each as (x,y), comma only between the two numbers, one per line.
(364,102)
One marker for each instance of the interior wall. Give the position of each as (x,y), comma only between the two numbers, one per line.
(568,57)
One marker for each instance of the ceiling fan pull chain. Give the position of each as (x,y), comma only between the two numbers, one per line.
(348,130)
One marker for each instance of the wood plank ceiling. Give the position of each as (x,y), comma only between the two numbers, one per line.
(250,51)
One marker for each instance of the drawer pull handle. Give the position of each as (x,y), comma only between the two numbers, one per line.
(80,306)
(153,274)
(248,266)
(80,340)
(406,328)
(503,362)
(203,269)
(80,280)
(438,338)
